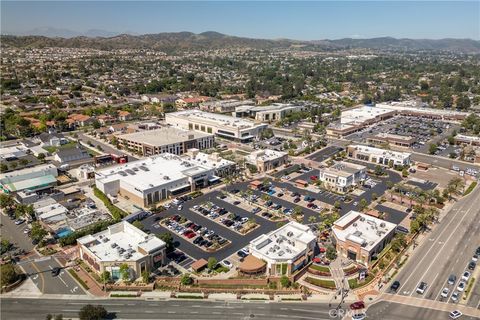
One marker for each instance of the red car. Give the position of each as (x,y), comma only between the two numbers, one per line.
(190,235)
(357,305)
(310,205)
(313,178)
(317,260)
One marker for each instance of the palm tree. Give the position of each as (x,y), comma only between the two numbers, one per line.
(312,219)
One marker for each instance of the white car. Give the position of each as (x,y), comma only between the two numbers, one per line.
(422,287)
(455,314)
(445,292)
(227,264)
(466,276)
(355,203)
(180,207)
(455,296)
(461,286)
(475,258)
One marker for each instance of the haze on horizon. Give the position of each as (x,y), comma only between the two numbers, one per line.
(257,19)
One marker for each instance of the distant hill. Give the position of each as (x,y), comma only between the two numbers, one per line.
(213,40)
(458,45)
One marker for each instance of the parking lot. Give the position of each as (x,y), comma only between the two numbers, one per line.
(425,131)
(324,153)
(236,240)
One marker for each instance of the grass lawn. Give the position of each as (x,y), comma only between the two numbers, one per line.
(320,268)
(353,283)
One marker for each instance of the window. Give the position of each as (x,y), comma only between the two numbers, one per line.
(190,126)
(209,130)
(203,128)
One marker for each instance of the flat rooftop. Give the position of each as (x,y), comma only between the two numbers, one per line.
(213,119)
(265,155)
(385,135)
(163,136)
(381,152)
(344,169)
(362,229)
(213,161)
(407,106)
(271,107)
(153,171)
(121,242)
(285,243)
(467,138)
(363,113)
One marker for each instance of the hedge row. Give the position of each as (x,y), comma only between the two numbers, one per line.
(116,213)
(329,284)
(94,228)
(470,188)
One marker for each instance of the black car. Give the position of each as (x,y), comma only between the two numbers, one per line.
(236,203)
(55,271)
(222,196)
(477,252)
(198,240)
(234,191)
(241,254)
(472,265)
(395,285)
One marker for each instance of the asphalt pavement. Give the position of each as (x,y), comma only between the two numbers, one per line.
(395,311)
(447,250)
(237,240)
(106,148)
(39,269)
(178,309)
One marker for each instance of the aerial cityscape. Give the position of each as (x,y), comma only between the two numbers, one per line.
(240,160)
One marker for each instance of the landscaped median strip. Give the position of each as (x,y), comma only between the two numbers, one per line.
(75,275)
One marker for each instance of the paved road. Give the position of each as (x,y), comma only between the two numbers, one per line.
(324,153)
(447,250)
(442,161)
(395,311)
(106,147)
(140,309)
(39,271)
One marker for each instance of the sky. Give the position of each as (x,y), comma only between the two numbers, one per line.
(255,19)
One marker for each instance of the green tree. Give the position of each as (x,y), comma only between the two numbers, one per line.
(125,271)
(331,253)
(6,201)
(8,274)
(363,204)
(374,196)
(91,312)
(285,281)
(137,224)
(168,239)
(455,185)
(59,317)
(337,204)
(378,170)
(37,233)
(186,280)
(404,172)
(432,148)
(212,262)
(96,124)
(105,276)
(145,276)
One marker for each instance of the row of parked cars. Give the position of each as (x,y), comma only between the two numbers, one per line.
(190,230)
(233,221)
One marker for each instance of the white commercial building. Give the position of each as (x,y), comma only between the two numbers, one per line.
(360,237)
(286,249)
(221,125)
(221,167)
(342,175)
(273,112)
(122,243)
(266,159)
(147,181)
(377,155)
(166,140)
(13,152)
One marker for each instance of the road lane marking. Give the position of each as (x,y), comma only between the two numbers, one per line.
(446,227)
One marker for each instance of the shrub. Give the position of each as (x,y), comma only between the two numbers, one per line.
(470,188)
(329,284)
(116,213)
